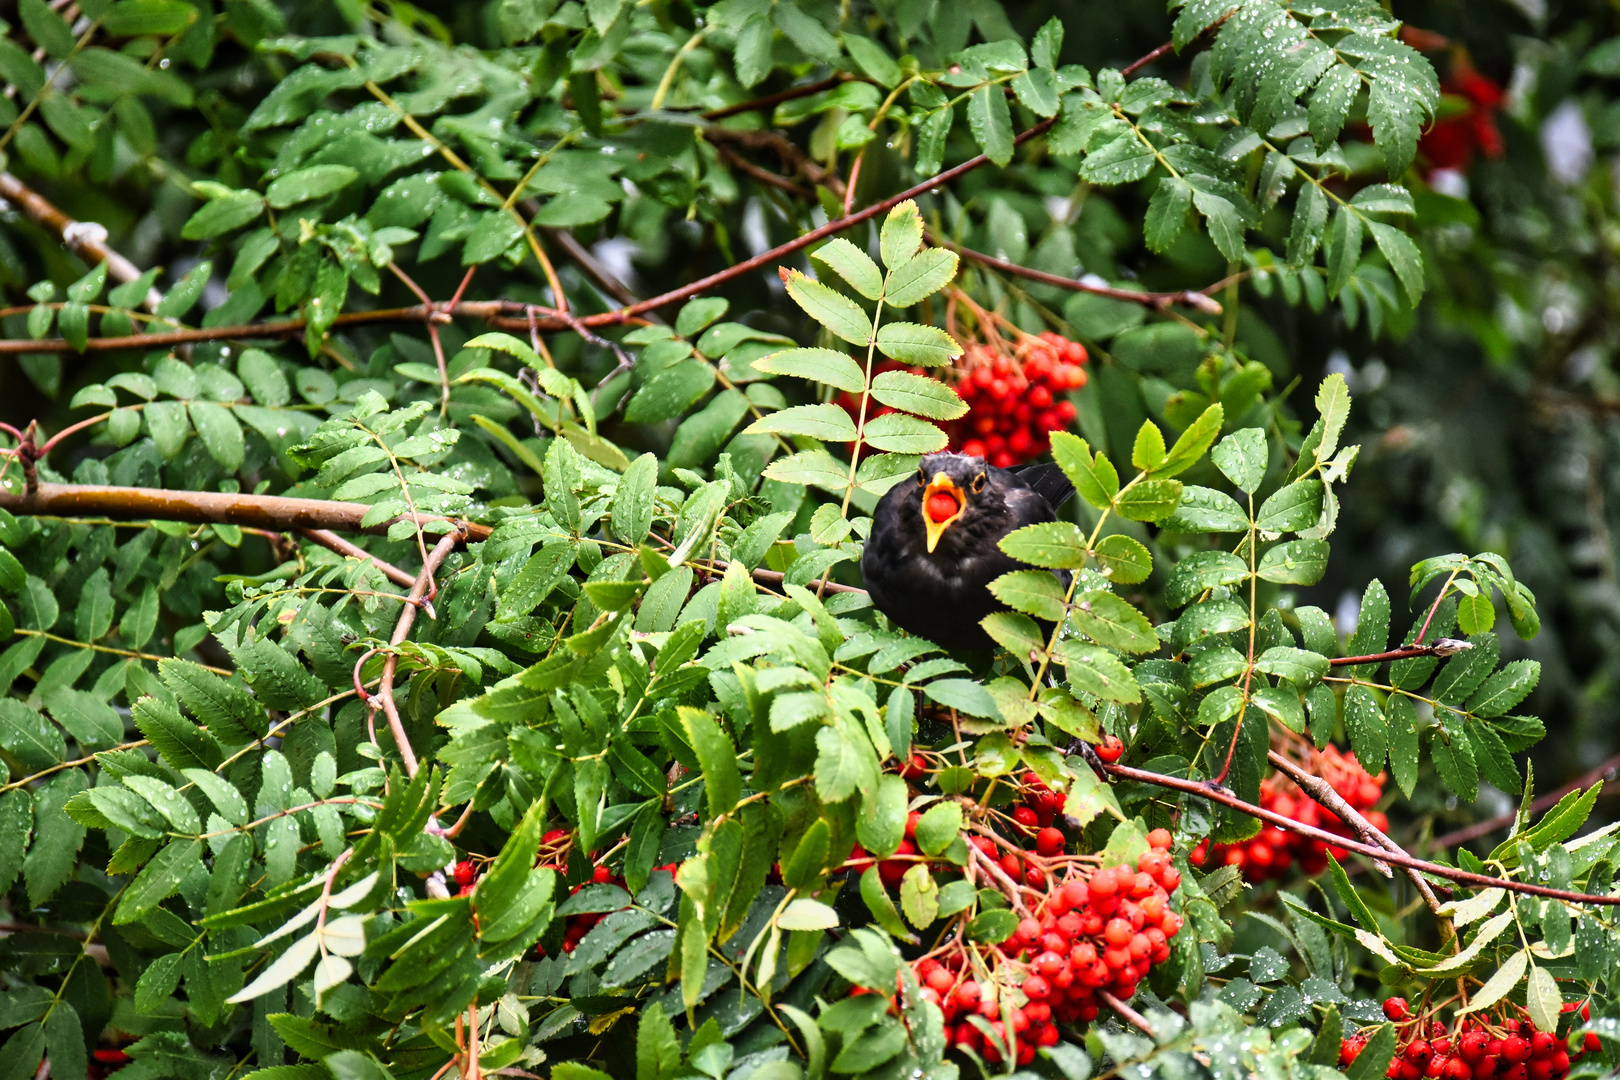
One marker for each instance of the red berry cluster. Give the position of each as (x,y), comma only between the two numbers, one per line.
(1269,854)
(1097,930)
(1504,1048)
(1014,402)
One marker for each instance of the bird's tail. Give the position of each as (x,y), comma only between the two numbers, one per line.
(1047,479)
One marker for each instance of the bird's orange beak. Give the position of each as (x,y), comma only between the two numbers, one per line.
(942,504)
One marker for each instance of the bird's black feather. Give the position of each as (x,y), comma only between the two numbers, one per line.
(942,595)
(1049,480)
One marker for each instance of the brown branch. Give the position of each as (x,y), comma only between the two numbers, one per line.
(89,239)
(767,258)
(333,542)
(771,577)
(770,101)
(421,591)
(1321,791)
(1158,300)
(761,174)
(783,147)
(1127,1014)
(1605,771)
(581,256)
(1401,859)
(274,512)
(1136,65)
(1443,647)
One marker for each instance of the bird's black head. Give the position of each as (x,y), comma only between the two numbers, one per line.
(956,497)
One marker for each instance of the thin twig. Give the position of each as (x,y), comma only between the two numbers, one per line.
(333,542)
(1401,859)
(1322,792)
(1443,647)
(87,238)
(422,590)
(1605,771)
(1157,300)
(1127,1014)
(770,101)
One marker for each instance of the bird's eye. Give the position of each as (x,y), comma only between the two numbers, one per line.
(978,483)
(922,479)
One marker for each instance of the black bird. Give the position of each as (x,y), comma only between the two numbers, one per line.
(934,547)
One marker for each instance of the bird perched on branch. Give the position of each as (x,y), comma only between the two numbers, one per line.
(935,543)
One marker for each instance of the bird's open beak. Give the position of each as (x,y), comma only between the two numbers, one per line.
(935,528)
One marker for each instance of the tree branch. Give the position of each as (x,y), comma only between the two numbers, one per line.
(333,542)
(1443,647)
(770,101)
(1605,771)
(1401,859)
(274,512)
(421,591)
(1157,300)
(1321,791)
(87,238)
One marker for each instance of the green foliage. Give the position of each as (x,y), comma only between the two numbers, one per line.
(587,801)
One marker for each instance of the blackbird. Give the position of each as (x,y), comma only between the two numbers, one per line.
(934,547)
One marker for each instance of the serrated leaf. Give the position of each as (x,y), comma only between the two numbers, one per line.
(1055,545)
(825,421)
(1296,562)
(829,307)
(901,434)
(914,343)
(1093,476)
(1123,559)
(990,121)
(918,394)
(919,277)
(853,265)
(1111,621)
(818,365)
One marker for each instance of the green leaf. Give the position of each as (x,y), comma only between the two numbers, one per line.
(1242,458)
(1098,672)
(1014,632)
(1148,452)
(716,755)
(1094,477)
(313,182)
(1365,724)
(158,880)
(914,343)
(1193,443)
(1343,249)
(818,365)
(633,502)
(48,29)
(873,59)
(939,825)
(220,216)
(990,121)
(29,737)
(830,308)
(134,18)
(1201,571)
(1056,545)
(1404,258)
(1110,620)
(826,421)
(919,896)
(918,394)
(902,434)
(964,695)
(1122,559)
(1543,998)
(901,235)
(1505,689)
(1296,562)
(1034,592)
(1167,213)
(1291,508)
(853,265)
(1149,500)
(919,277)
